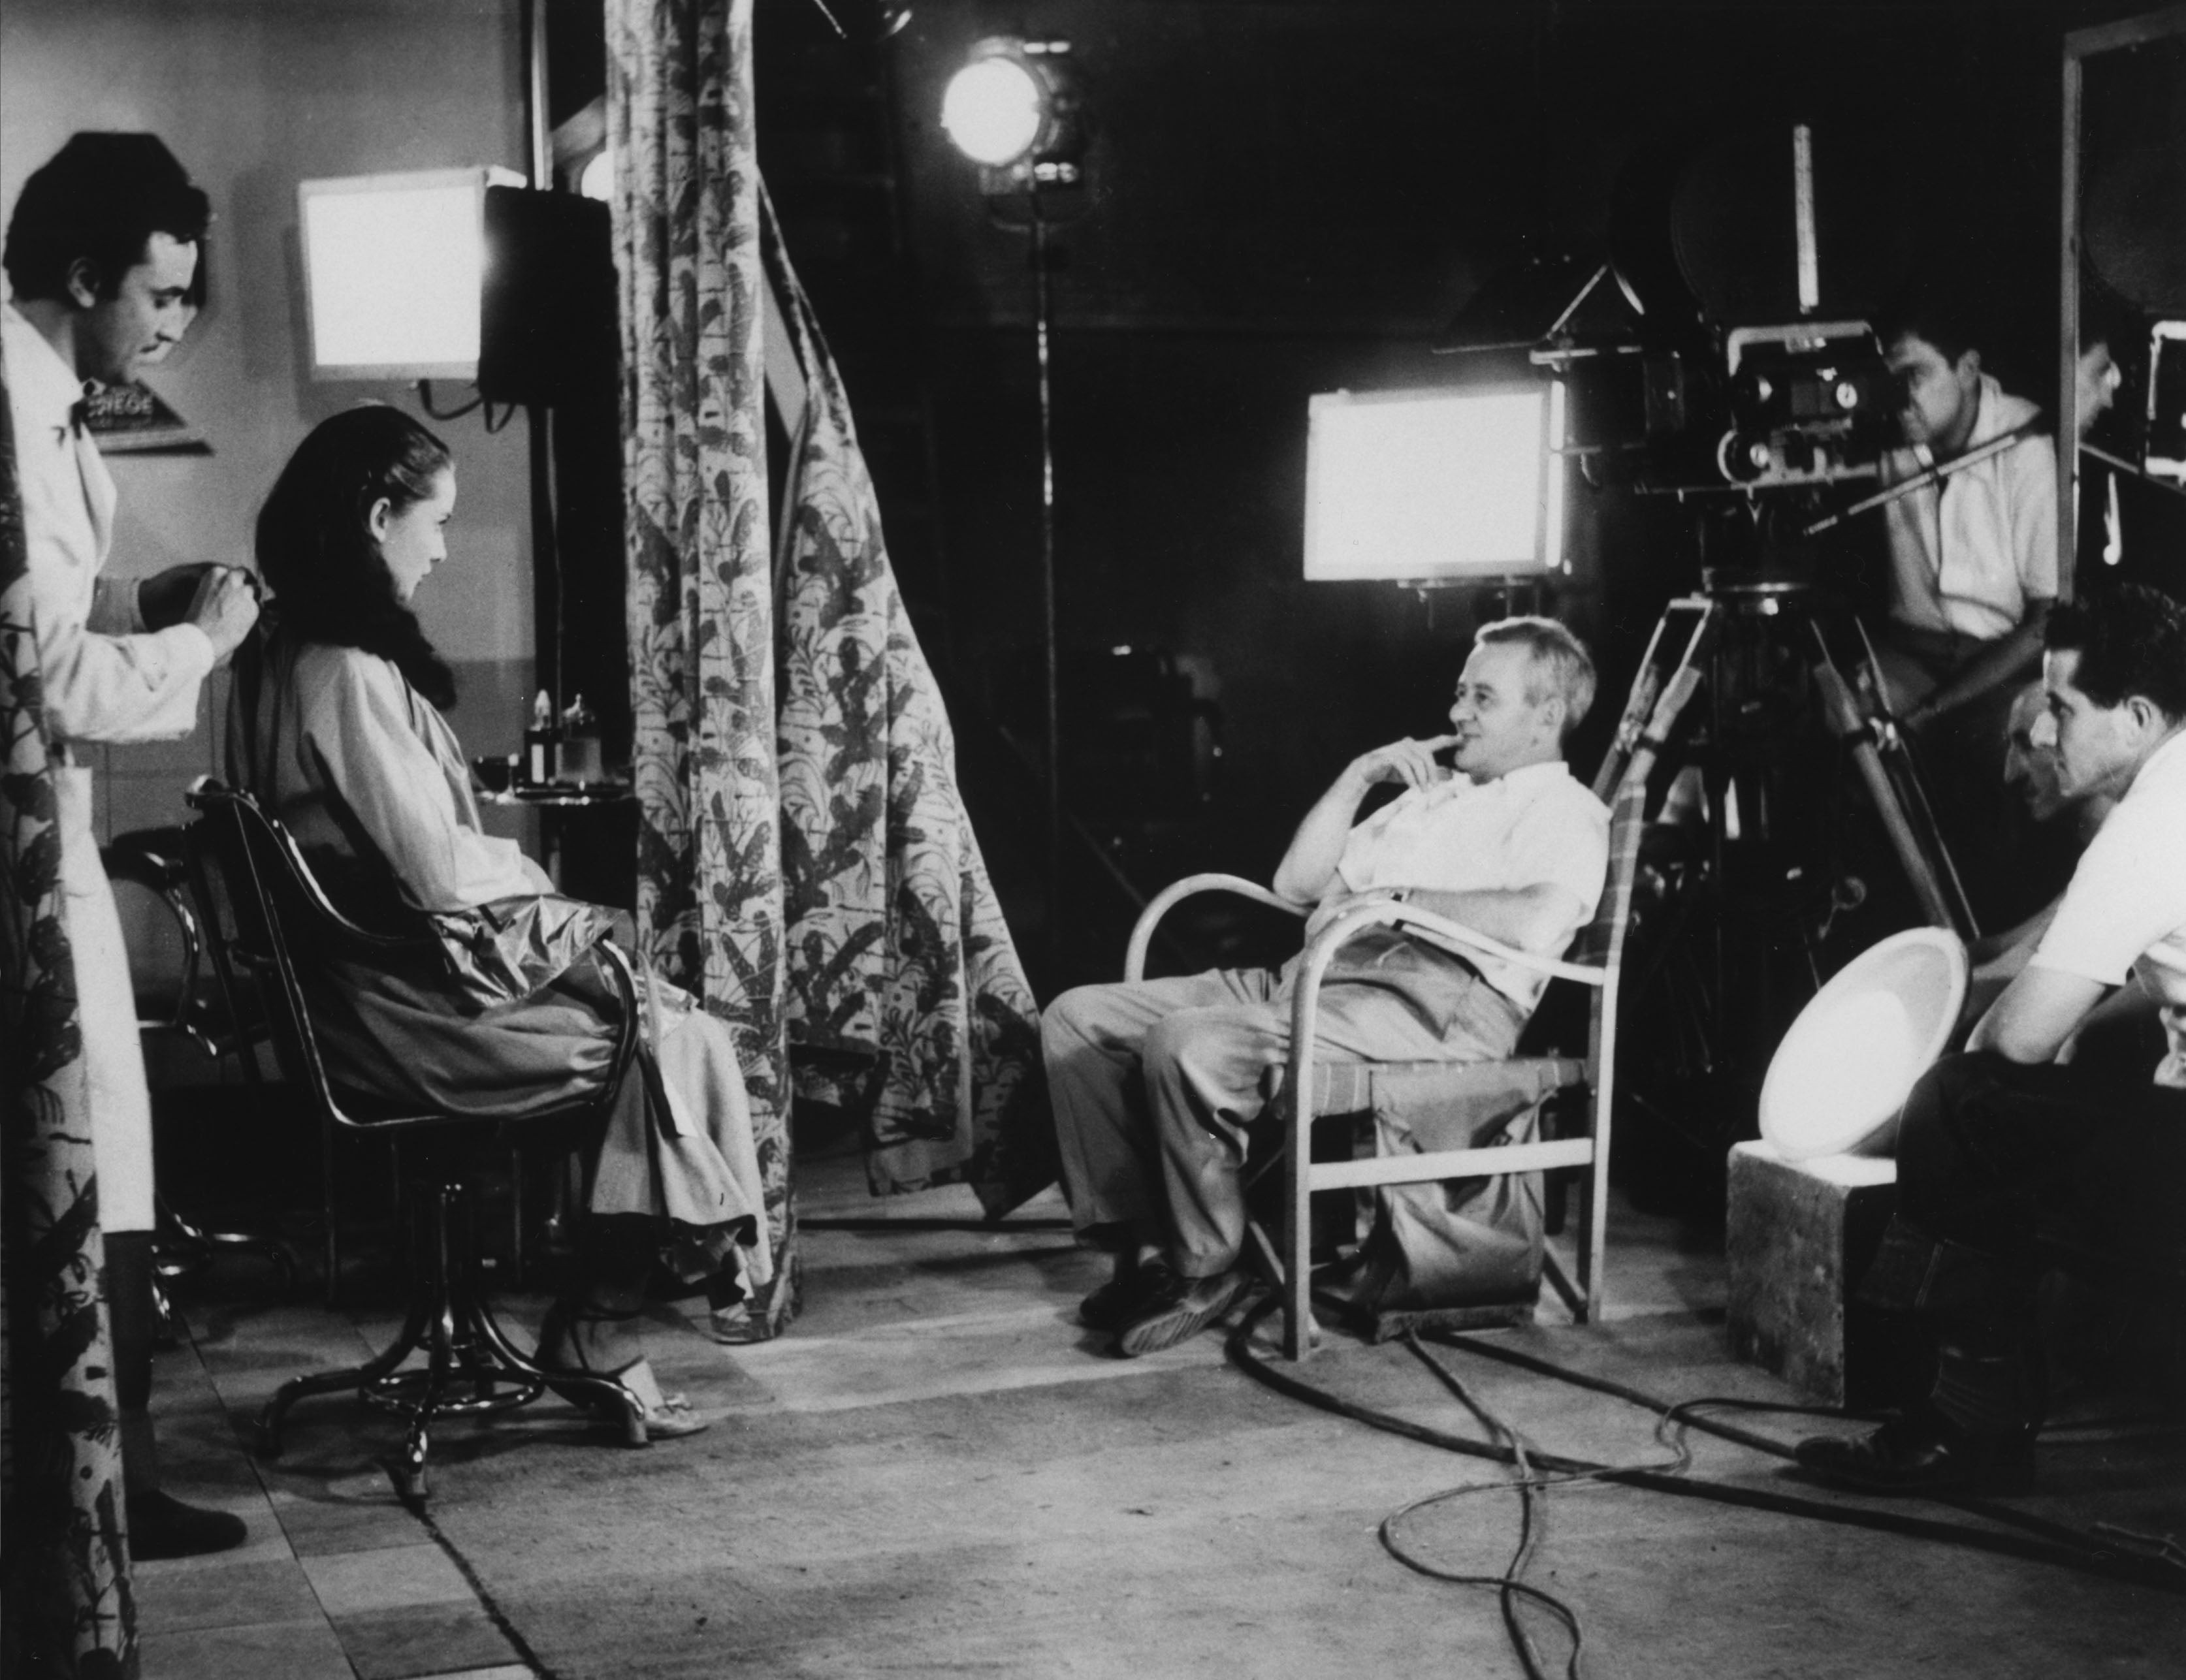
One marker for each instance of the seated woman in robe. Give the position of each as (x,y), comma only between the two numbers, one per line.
(336,726)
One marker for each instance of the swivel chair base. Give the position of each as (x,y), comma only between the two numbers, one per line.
(471,1370)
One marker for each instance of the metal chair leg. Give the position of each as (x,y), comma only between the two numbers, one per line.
(180,1247)
(471,1369)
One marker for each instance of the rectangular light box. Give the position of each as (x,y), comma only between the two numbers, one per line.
(393,269)
(1424,486)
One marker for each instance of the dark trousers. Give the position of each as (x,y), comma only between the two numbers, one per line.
(2009,869)
(1991,1155)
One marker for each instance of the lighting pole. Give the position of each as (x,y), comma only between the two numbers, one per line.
(1013,110)
(1051,659)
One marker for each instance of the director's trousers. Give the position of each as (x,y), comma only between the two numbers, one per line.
(1155,1083)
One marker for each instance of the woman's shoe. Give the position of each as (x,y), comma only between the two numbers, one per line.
(660,1417)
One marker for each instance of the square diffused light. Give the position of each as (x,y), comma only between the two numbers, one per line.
(393,265)
(1420,485)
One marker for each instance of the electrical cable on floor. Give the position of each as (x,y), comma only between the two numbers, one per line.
(2137,1559)
(2061,1534)
(1528,1484)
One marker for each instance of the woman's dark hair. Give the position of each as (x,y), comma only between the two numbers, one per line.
(316,549)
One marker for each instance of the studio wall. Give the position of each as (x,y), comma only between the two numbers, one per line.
(254,96)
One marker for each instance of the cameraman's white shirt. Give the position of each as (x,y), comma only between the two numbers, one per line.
(1967,555)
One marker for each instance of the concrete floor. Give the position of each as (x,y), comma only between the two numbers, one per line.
(938,1472)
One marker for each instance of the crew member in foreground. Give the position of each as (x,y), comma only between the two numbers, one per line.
(1155,1082)
(2016,1135)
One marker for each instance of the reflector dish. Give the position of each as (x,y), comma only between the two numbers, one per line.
(1843,1070)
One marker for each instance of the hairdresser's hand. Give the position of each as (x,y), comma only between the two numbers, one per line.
(165,597)
(226,607)
(1409,761)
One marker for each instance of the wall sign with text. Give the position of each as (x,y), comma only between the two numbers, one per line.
(134,419)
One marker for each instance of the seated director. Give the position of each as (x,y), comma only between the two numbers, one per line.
(1155,1083)
(2017,1128)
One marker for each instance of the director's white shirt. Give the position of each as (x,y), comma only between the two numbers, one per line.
(1536,827)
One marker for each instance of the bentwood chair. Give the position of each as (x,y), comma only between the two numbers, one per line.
(282,922)
(1315,1087)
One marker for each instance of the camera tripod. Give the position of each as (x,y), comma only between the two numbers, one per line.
(1757,855)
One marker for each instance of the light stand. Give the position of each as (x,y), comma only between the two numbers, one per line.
(1013,110)
(1052,743)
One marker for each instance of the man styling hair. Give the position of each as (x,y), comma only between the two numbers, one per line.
(102,252)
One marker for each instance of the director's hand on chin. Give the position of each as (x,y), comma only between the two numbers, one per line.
(165,597)
(1409,761)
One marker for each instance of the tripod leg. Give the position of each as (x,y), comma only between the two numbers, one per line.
(1901,757)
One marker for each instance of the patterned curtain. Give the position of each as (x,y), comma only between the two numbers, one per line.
(907,1001)
(694,460)
(67,1609)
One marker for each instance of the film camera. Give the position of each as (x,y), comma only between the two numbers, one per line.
(1811,403)
(1696,349)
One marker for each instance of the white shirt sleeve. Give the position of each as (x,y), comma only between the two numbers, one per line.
(99,687)
(360,725)
(2126,895)
(115,688)
(1564,841)
(1354,871)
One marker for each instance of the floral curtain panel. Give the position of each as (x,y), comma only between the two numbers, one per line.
(694,461)
(68,1609)
(906,998)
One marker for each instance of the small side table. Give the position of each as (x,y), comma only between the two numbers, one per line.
(566,809)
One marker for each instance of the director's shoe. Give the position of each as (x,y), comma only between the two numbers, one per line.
(1923,1452)
(1182,1307)
(1121,1299)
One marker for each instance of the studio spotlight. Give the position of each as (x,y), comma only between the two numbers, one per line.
(992,111)
(1013,110)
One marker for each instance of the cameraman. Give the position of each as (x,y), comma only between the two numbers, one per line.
(1972,573)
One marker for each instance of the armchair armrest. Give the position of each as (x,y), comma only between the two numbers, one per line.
(1305,997)
(1440,930)
(1142,932)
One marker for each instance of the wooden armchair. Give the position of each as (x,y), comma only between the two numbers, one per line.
(1314,1087)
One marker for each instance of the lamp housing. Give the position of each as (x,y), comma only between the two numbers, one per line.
(1016,111)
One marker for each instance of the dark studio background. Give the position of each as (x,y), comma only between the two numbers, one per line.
(1288,199)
